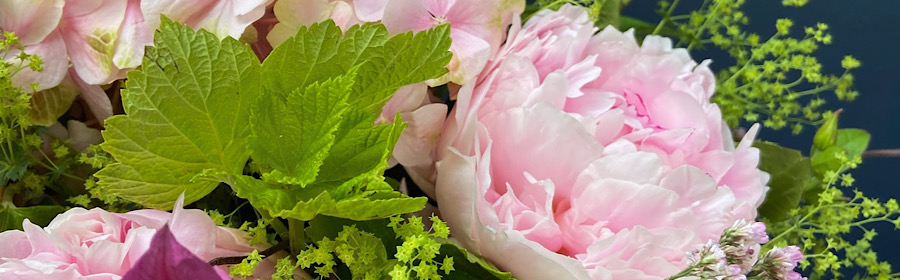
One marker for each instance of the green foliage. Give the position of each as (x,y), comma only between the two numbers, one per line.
(790,173)
(11,217)
(470,266)
(187,110)
(776,81)
(247,266)
(827,215)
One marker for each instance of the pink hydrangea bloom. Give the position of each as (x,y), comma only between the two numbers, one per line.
(96,244)
(592,155)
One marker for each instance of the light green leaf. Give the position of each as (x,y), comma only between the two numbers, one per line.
(303,204)
(320,51)
(790,173)
(293,134)
(187,110)
(12,217)
(853,140)
(48,105)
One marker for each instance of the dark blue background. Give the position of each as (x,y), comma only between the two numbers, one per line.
(867,30)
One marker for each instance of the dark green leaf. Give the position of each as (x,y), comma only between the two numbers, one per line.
(12,217)
(790,173)
(467,265)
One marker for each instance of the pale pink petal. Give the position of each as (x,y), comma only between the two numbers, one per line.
(97,100)
(370,10)
(91,32)
(415,145)
(55,62)
(31,20)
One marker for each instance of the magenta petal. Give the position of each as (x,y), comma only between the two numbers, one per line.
(168,260)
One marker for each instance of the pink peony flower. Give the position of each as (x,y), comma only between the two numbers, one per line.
(96,244)
(591,155)
(476,27)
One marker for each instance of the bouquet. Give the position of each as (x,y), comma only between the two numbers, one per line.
(423,139)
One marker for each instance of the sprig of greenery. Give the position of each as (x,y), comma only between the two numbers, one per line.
(776,80)
(822,227)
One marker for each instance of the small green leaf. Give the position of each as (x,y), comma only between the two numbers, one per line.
(853,140)
(12,217)
(187,110)
(13,165)
(467,265)
(608,13)
(828,160)
(790,173)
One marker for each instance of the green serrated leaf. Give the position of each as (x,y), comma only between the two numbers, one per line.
(13,165)
(406,59)
(790,173)
(187,110)
(320,51)
(305,203)
(467,265)
(294,134)
(12,217)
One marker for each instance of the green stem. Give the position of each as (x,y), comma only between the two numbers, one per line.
(297,233)
(665,18)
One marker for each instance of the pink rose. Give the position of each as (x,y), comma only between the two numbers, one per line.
(591,155)
(96,244)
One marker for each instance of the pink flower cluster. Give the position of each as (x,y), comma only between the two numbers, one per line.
(99,245)
(586,152)
(103,39)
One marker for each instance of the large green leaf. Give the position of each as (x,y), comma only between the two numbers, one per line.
(187,110)
(293,202)
(12,217)
(294,134)
(790,173)
(320,51)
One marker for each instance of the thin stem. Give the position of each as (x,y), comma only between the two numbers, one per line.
(882,153)
(238,259)
(665,18)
